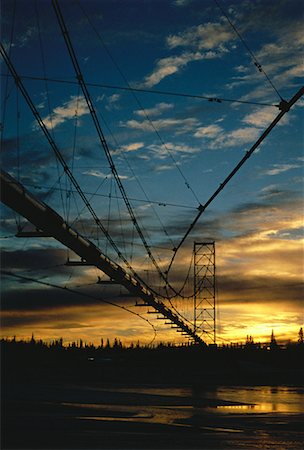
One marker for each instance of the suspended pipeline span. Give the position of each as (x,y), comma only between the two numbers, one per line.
(50,223)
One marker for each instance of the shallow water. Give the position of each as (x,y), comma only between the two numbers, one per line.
(281,399)
(152,417)
(170,405)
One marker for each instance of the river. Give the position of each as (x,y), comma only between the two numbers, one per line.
(153,417)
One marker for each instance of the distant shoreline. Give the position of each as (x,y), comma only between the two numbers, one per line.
(166,365)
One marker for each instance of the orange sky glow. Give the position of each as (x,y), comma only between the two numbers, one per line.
(256,276)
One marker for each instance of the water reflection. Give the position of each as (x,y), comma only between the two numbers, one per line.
(187,406)
(246,417)
(278,399)
(236,407)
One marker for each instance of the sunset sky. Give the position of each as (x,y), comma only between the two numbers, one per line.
(208,78)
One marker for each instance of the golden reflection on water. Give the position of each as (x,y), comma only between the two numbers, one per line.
(258,408)
(191,408)
(235,407)
(262,399)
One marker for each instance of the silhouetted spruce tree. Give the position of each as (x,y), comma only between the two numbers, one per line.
(273,342)
(249,341)
(301,338)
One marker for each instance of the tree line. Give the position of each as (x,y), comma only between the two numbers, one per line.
(117,344)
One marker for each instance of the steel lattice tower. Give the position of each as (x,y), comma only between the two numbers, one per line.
(204,291)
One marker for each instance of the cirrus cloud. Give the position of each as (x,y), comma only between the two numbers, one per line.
(155,111)
(75,107)
(206,36)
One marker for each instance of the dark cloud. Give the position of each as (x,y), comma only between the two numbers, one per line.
(36,162)
(24,298)
(240,289)
(208,227)
(269,198)
(48,266)
(33,152)
(217,226)
(52,260)
(270,15)
(42,319)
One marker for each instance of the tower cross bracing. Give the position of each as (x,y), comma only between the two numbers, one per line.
(204,291)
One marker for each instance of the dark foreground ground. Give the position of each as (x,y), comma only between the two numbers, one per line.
(55,401)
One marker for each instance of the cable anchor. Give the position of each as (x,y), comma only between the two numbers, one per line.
(284,106)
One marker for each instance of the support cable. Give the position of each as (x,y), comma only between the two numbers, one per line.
(18,218)
(152,91)
(60,158)
(15,196)
(140,105)
(137,180)
(254,59)
(109,209)
(103,141)
(79,213)
(73,155)
(6,95)
(100,133)
(147,201)
(285,107)
(83,294)
(63,201)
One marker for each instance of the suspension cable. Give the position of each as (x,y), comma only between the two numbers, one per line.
(254,59)
(63,202)
(6,95)
(136,178)
(140,105)
(100,133)
(285,107)
(73,155)
(103,141)
(18,218)
(83,294)
(147,201)
(60,158)
(151,91)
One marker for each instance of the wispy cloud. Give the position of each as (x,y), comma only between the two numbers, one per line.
(112,102)
(163,151)
(261,118)
(184,125)
(280,168)
(209,131)
(238,137)
(75,107)
(281,59)
(97,174)
(133,146)
(205,41)
(215,137)
(181,2)
(156,111)
(169,66)
(164,167)
(23,39)
(207,36)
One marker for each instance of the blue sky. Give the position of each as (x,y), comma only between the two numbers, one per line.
(171,153)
